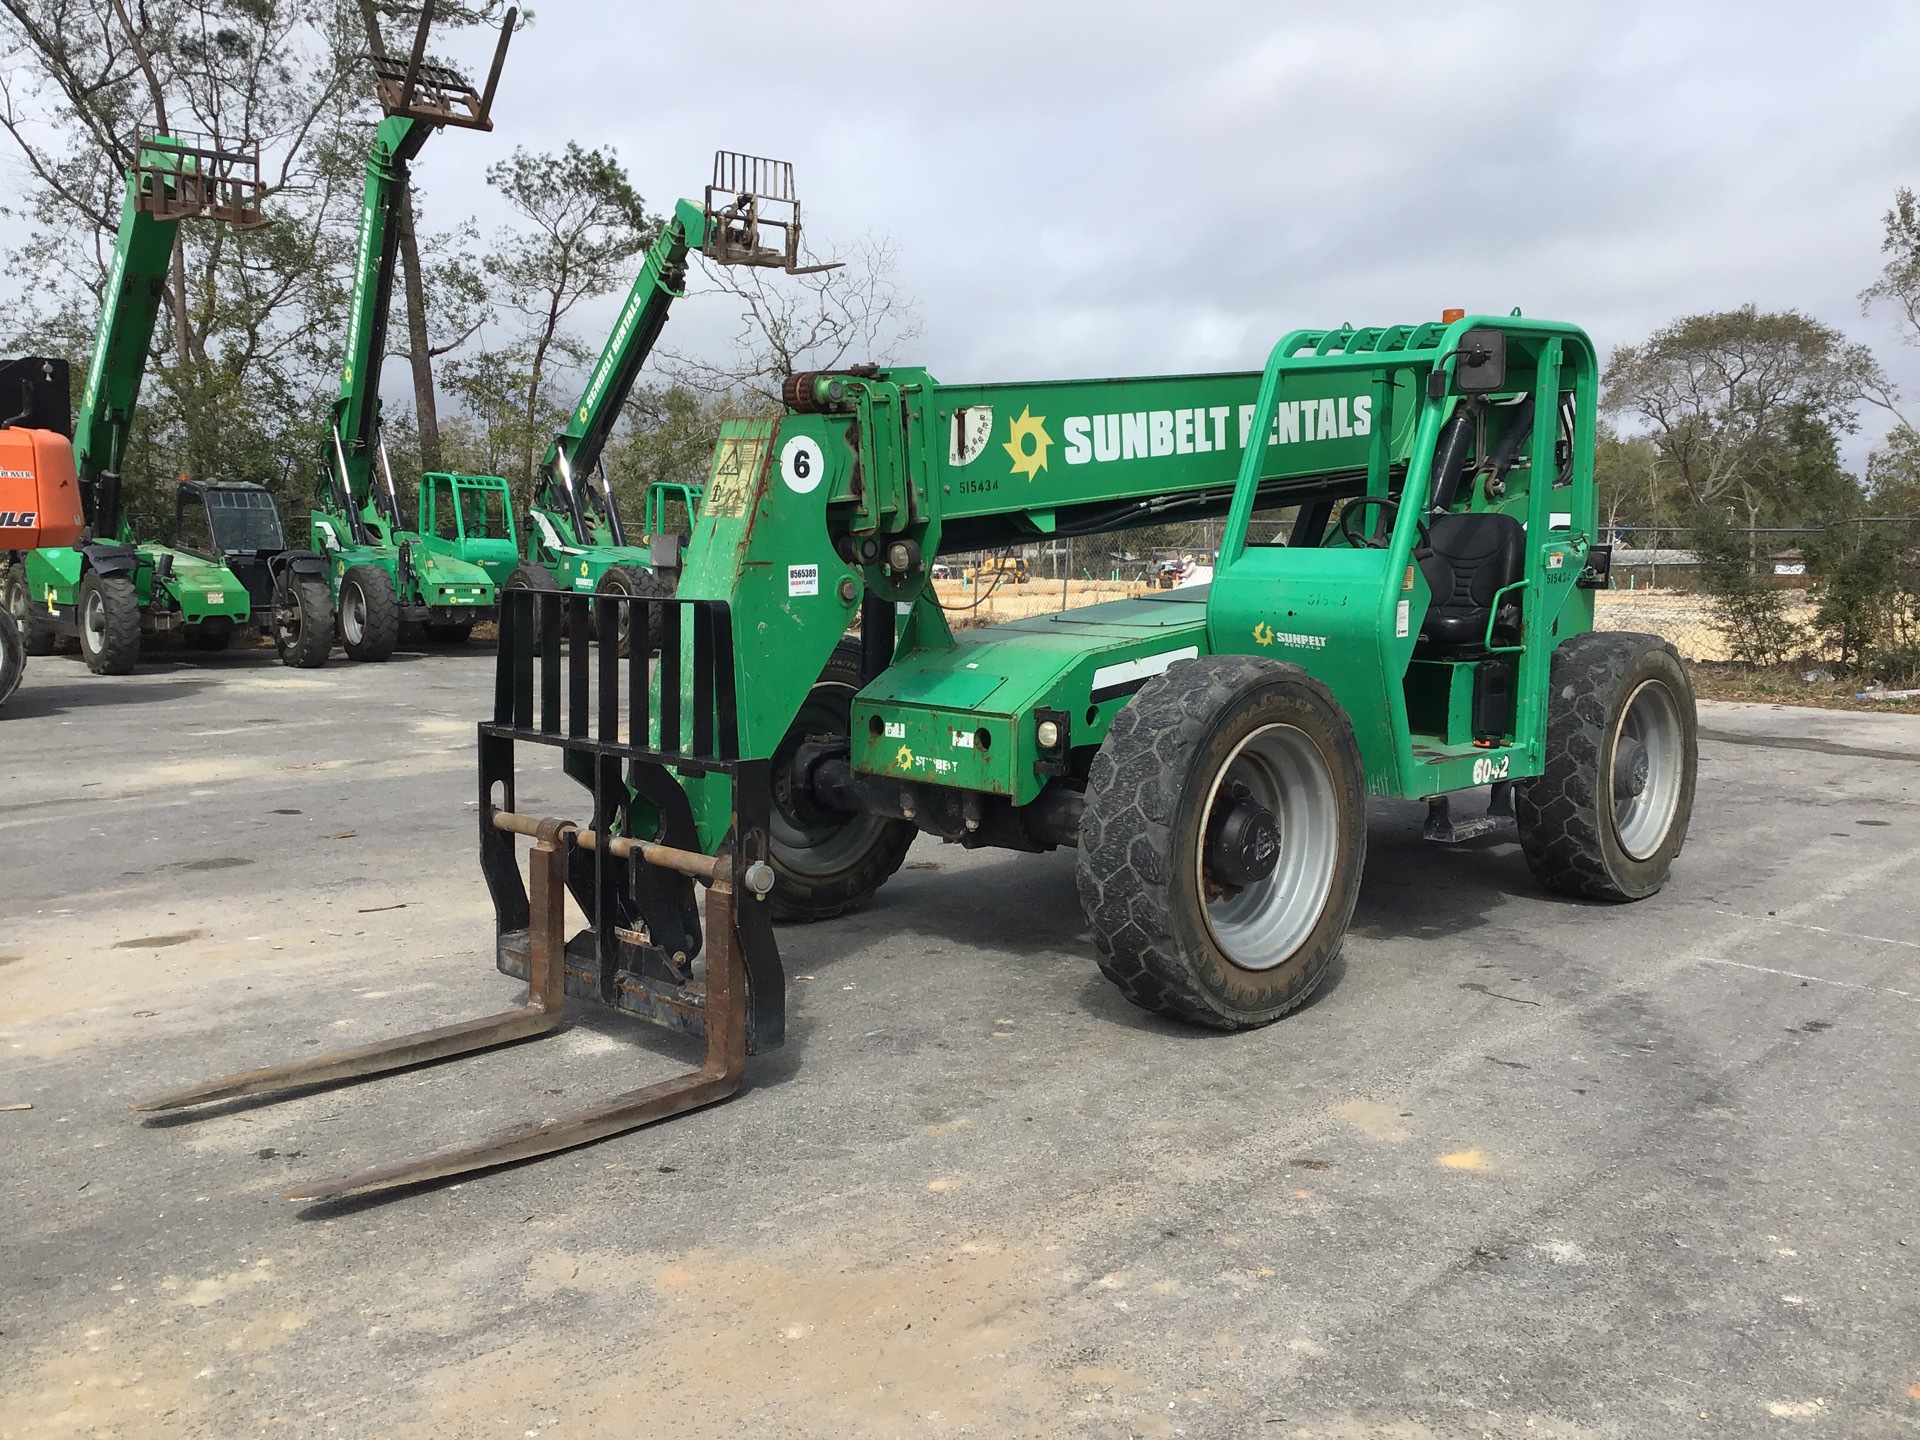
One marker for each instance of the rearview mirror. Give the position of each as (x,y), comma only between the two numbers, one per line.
(1481,365)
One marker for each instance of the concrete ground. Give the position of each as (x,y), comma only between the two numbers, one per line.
(1526,1167)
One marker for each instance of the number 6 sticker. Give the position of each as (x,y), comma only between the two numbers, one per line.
(802,464)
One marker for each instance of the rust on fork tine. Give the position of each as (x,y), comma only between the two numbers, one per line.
(718,1078)
(545,1007)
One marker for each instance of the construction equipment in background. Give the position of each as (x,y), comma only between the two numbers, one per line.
(111,587)
(39,492)
(1423,629)
(577,539)
(383,573)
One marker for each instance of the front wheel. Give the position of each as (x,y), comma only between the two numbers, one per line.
(13,655)
(302,623)
(36,637)
(826,865)
(1608,815)
(109,623)
(530,575)
(643,584)
(369,613)
(1222,843)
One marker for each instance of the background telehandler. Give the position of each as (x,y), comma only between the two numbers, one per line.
(39,493)
(229,565)
(383,572)
(1401,608)
(577,539)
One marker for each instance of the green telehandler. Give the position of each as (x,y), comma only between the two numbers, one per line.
(576,536)
(1402,608)
(382,572)
(228,565)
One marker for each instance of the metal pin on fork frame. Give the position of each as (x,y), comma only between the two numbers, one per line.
(715,1080)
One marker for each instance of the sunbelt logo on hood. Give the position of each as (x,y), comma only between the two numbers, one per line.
(1029,444)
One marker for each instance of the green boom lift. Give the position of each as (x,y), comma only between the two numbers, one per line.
(577,539)
(1402,608)
(229,564)
(384,573)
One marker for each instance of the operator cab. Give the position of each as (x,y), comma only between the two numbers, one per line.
(235,523)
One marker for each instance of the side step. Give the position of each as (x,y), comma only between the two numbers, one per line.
(1443,829)
(715,1080)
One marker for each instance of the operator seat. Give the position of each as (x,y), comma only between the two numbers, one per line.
(1469,558)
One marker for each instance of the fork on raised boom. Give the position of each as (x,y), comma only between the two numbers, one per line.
(623,728)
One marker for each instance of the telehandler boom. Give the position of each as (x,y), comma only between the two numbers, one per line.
(577,539)
(112,587)
(1401,608)
(383,572)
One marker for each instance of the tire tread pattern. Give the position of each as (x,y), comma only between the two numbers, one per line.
(1558,813)
(1133,793)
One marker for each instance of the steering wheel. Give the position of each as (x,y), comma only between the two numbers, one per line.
(1389,508)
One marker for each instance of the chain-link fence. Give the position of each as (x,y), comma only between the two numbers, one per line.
(1835,603)
(1813,609)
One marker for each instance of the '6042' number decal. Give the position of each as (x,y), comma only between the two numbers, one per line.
(1487,769)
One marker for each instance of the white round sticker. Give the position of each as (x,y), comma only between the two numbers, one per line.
(802,465)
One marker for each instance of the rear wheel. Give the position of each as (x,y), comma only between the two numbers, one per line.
(824,866)
(369,613)
(13,655)
(302,622)
(631,580)
(36,637)
(1222,843)
(109,623)
(540,580)
(1609,814)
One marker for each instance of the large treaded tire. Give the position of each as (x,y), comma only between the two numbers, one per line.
(36,636)
(1150,794)
(531,576)
(303,623)
(13,655)
(849,863)
(109,623)
(1566,815)
(632,580)
(369,613)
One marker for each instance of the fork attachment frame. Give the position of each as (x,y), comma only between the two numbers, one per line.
(637,893)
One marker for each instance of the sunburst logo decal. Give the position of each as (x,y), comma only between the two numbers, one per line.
(1028,460)
(1263,634)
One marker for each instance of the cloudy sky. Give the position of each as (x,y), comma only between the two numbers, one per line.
(1081,188)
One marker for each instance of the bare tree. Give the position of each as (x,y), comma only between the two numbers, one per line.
(853,314)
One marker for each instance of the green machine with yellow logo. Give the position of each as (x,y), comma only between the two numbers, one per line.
(383,571)
(1402,608)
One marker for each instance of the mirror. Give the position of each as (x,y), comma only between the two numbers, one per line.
(1481,365)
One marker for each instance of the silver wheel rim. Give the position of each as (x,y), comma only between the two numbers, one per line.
(1652,719)
(1263,924)
(353,613)
(17,603)
(95,621)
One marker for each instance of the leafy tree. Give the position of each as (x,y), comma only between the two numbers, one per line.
(1731,402)
(1749,613)
(1893,475)
(585,223)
